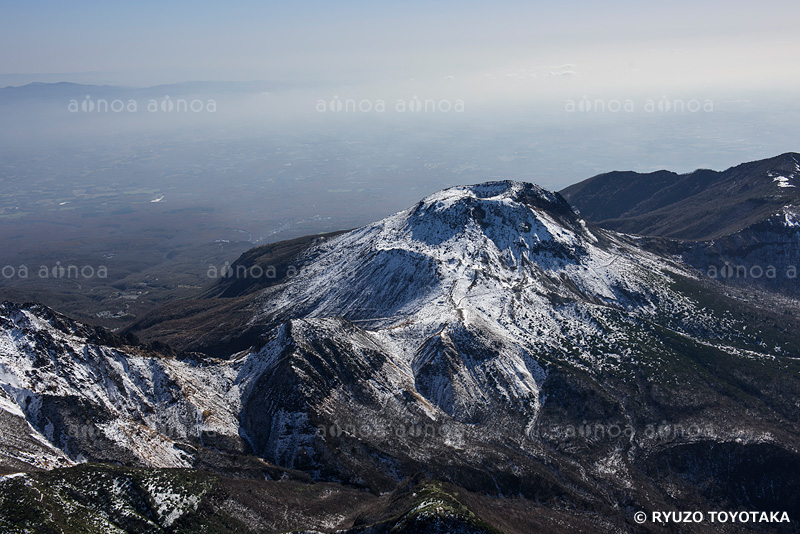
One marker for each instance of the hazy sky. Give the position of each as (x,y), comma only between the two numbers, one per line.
(600,46)
(516,65)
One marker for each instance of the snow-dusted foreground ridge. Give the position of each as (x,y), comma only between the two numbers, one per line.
(470,337)
(73,398)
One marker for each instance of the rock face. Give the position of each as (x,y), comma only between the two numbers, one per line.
(487,336)
(765,255)
(99,399)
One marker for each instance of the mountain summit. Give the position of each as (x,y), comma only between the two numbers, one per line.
(457,246)
(487,336)
(473,314)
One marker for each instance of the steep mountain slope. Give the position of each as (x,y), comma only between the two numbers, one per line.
(205,323)
(97,397)
(487,336)
(702,205)
(739,226)
(628,189)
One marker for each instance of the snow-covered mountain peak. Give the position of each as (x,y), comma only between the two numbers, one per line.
(515,219)
(508,258)
(500,208)
(498,232)
(499,190)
